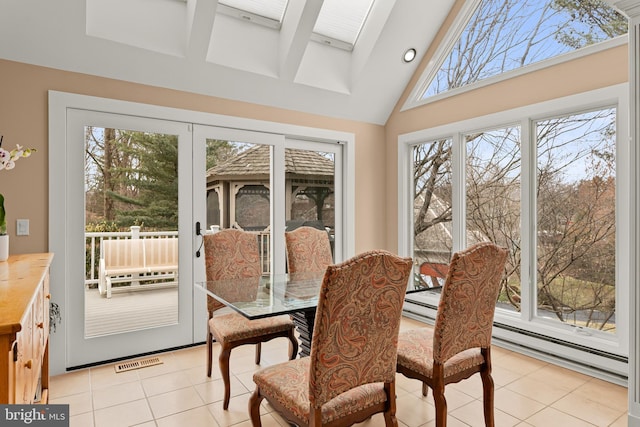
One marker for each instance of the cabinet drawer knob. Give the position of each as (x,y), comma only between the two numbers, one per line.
(40,325)
(28,364)
(48,296)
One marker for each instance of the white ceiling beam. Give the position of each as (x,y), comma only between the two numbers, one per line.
(295,34)
(201,17)
(370,34)
(166,47)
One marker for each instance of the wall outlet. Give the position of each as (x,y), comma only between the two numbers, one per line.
(22,227)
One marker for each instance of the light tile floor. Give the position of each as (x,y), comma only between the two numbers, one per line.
(178,393)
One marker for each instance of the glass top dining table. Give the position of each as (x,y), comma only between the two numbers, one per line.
(266,295)
(272,295)
(275,294)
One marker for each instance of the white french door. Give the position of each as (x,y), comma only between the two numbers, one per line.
(139,317)
(252,183)
(323,197)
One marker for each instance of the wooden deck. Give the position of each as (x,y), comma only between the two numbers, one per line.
(129,311)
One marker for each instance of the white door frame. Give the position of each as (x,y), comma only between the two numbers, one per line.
(60,102)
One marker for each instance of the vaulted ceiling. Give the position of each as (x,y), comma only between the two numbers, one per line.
(197,46)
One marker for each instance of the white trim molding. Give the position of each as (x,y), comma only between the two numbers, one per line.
(631,8)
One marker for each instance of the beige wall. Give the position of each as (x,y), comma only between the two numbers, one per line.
(599,70)
(24,121)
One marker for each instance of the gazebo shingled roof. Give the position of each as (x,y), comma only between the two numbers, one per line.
(254,162)
(307,173)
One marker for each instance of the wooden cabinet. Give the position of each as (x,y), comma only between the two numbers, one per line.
(24,328)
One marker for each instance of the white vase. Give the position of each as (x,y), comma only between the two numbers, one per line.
(4,247)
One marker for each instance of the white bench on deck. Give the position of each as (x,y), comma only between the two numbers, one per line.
(138,264)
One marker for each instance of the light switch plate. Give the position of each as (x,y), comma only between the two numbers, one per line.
(22,227)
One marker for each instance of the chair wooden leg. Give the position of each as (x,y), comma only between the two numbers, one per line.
(315,417)
(390,419)
(438,395)
(209,353)
(441,407)
(487,388)
(487,398)
(258,353)
(254,408)
(223,360)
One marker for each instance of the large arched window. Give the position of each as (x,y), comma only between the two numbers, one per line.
(492,38)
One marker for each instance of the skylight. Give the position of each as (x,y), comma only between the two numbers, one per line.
(339,23)
(270,9)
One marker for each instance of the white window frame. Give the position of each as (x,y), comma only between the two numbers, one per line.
(521,327)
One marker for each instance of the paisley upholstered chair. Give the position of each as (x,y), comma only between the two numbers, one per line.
(308,250)
(350,374)
(459,345)
(234,254)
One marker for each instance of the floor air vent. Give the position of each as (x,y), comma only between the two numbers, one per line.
(137,364)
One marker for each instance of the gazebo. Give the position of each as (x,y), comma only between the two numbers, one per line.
(238,191)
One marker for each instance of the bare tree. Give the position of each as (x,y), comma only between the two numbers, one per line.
(576,216)
(493,197)
(432,177)
(503,35)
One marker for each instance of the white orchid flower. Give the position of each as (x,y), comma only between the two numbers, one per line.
(8,161)
(17,153)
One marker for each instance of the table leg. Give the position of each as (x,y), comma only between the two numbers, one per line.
(304,321)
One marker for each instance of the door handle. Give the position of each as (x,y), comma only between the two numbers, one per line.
(199,233)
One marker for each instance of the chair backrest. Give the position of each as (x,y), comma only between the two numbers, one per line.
(308,250)
(468,300)
(355,337)
(230,254)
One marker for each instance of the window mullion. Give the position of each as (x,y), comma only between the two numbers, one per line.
(458,202)
(528,223)
(278,213)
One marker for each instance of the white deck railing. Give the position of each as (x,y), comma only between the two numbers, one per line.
(94,243)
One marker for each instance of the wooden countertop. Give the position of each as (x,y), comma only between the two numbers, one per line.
(19,277)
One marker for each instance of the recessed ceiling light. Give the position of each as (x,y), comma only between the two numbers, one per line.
(409,55)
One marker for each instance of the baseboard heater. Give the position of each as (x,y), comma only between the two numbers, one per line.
(596,363)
